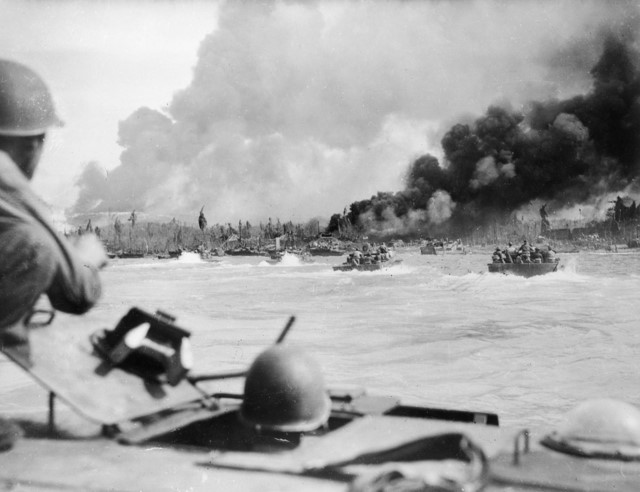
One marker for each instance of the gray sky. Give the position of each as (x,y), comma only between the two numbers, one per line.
(102,60)
(298,108)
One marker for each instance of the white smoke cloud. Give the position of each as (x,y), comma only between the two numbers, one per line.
(298,109)
(440,207)
(487,171)
(508,170)
(571,125)
(390,223)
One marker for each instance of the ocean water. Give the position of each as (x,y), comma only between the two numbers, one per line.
(436,330)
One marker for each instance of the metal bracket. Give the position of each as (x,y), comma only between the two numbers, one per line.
(52,413)
(523,435)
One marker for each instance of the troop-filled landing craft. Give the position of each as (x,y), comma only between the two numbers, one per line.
(524,269)
(285,431)
(524,262)
(366,267)
(368,261)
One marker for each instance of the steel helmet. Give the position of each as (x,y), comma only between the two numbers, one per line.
(284,391)
(600,428)
(26,105)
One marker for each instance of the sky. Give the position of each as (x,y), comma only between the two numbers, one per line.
(102,60)
(279,109)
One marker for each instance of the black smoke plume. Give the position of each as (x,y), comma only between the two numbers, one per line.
(565,152)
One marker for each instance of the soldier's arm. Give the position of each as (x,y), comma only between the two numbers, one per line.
(76,287)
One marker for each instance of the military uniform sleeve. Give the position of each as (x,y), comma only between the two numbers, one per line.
(75,298)
(74,287)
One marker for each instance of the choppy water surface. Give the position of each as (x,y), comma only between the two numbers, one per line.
(437,330)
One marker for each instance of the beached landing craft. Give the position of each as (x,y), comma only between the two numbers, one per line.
(171,254)
(286,431)
(325,251)
(130,255)
(326,248)
(243,251)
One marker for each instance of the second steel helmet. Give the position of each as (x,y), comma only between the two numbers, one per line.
(26,105)
(284,392)
(600,428)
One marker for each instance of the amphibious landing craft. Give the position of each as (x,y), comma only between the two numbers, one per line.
(150,422)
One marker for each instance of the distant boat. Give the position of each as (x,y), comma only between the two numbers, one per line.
(129,254)
(162,256)
(170,254)
(246,252)
(428,249)
(210,256)
(523,269)
(454,247)
(326,251)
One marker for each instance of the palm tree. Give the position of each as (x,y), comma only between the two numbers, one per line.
(118,228)
(202,220)
(132,218)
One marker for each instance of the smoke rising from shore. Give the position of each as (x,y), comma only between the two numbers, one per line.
(573,154)
(296,110)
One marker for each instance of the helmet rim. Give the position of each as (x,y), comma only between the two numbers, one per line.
(599,428)
(284,392)
(302,425)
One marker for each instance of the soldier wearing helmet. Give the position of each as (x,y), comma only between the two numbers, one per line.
(525,252)
(497,257)
(603,428)
(34,258)
(510,253)
(550,255)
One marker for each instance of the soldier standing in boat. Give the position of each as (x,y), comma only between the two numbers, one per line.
(384,252)
(357,257)
(536,256)
(525,252)
(34,258)
(510,253)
